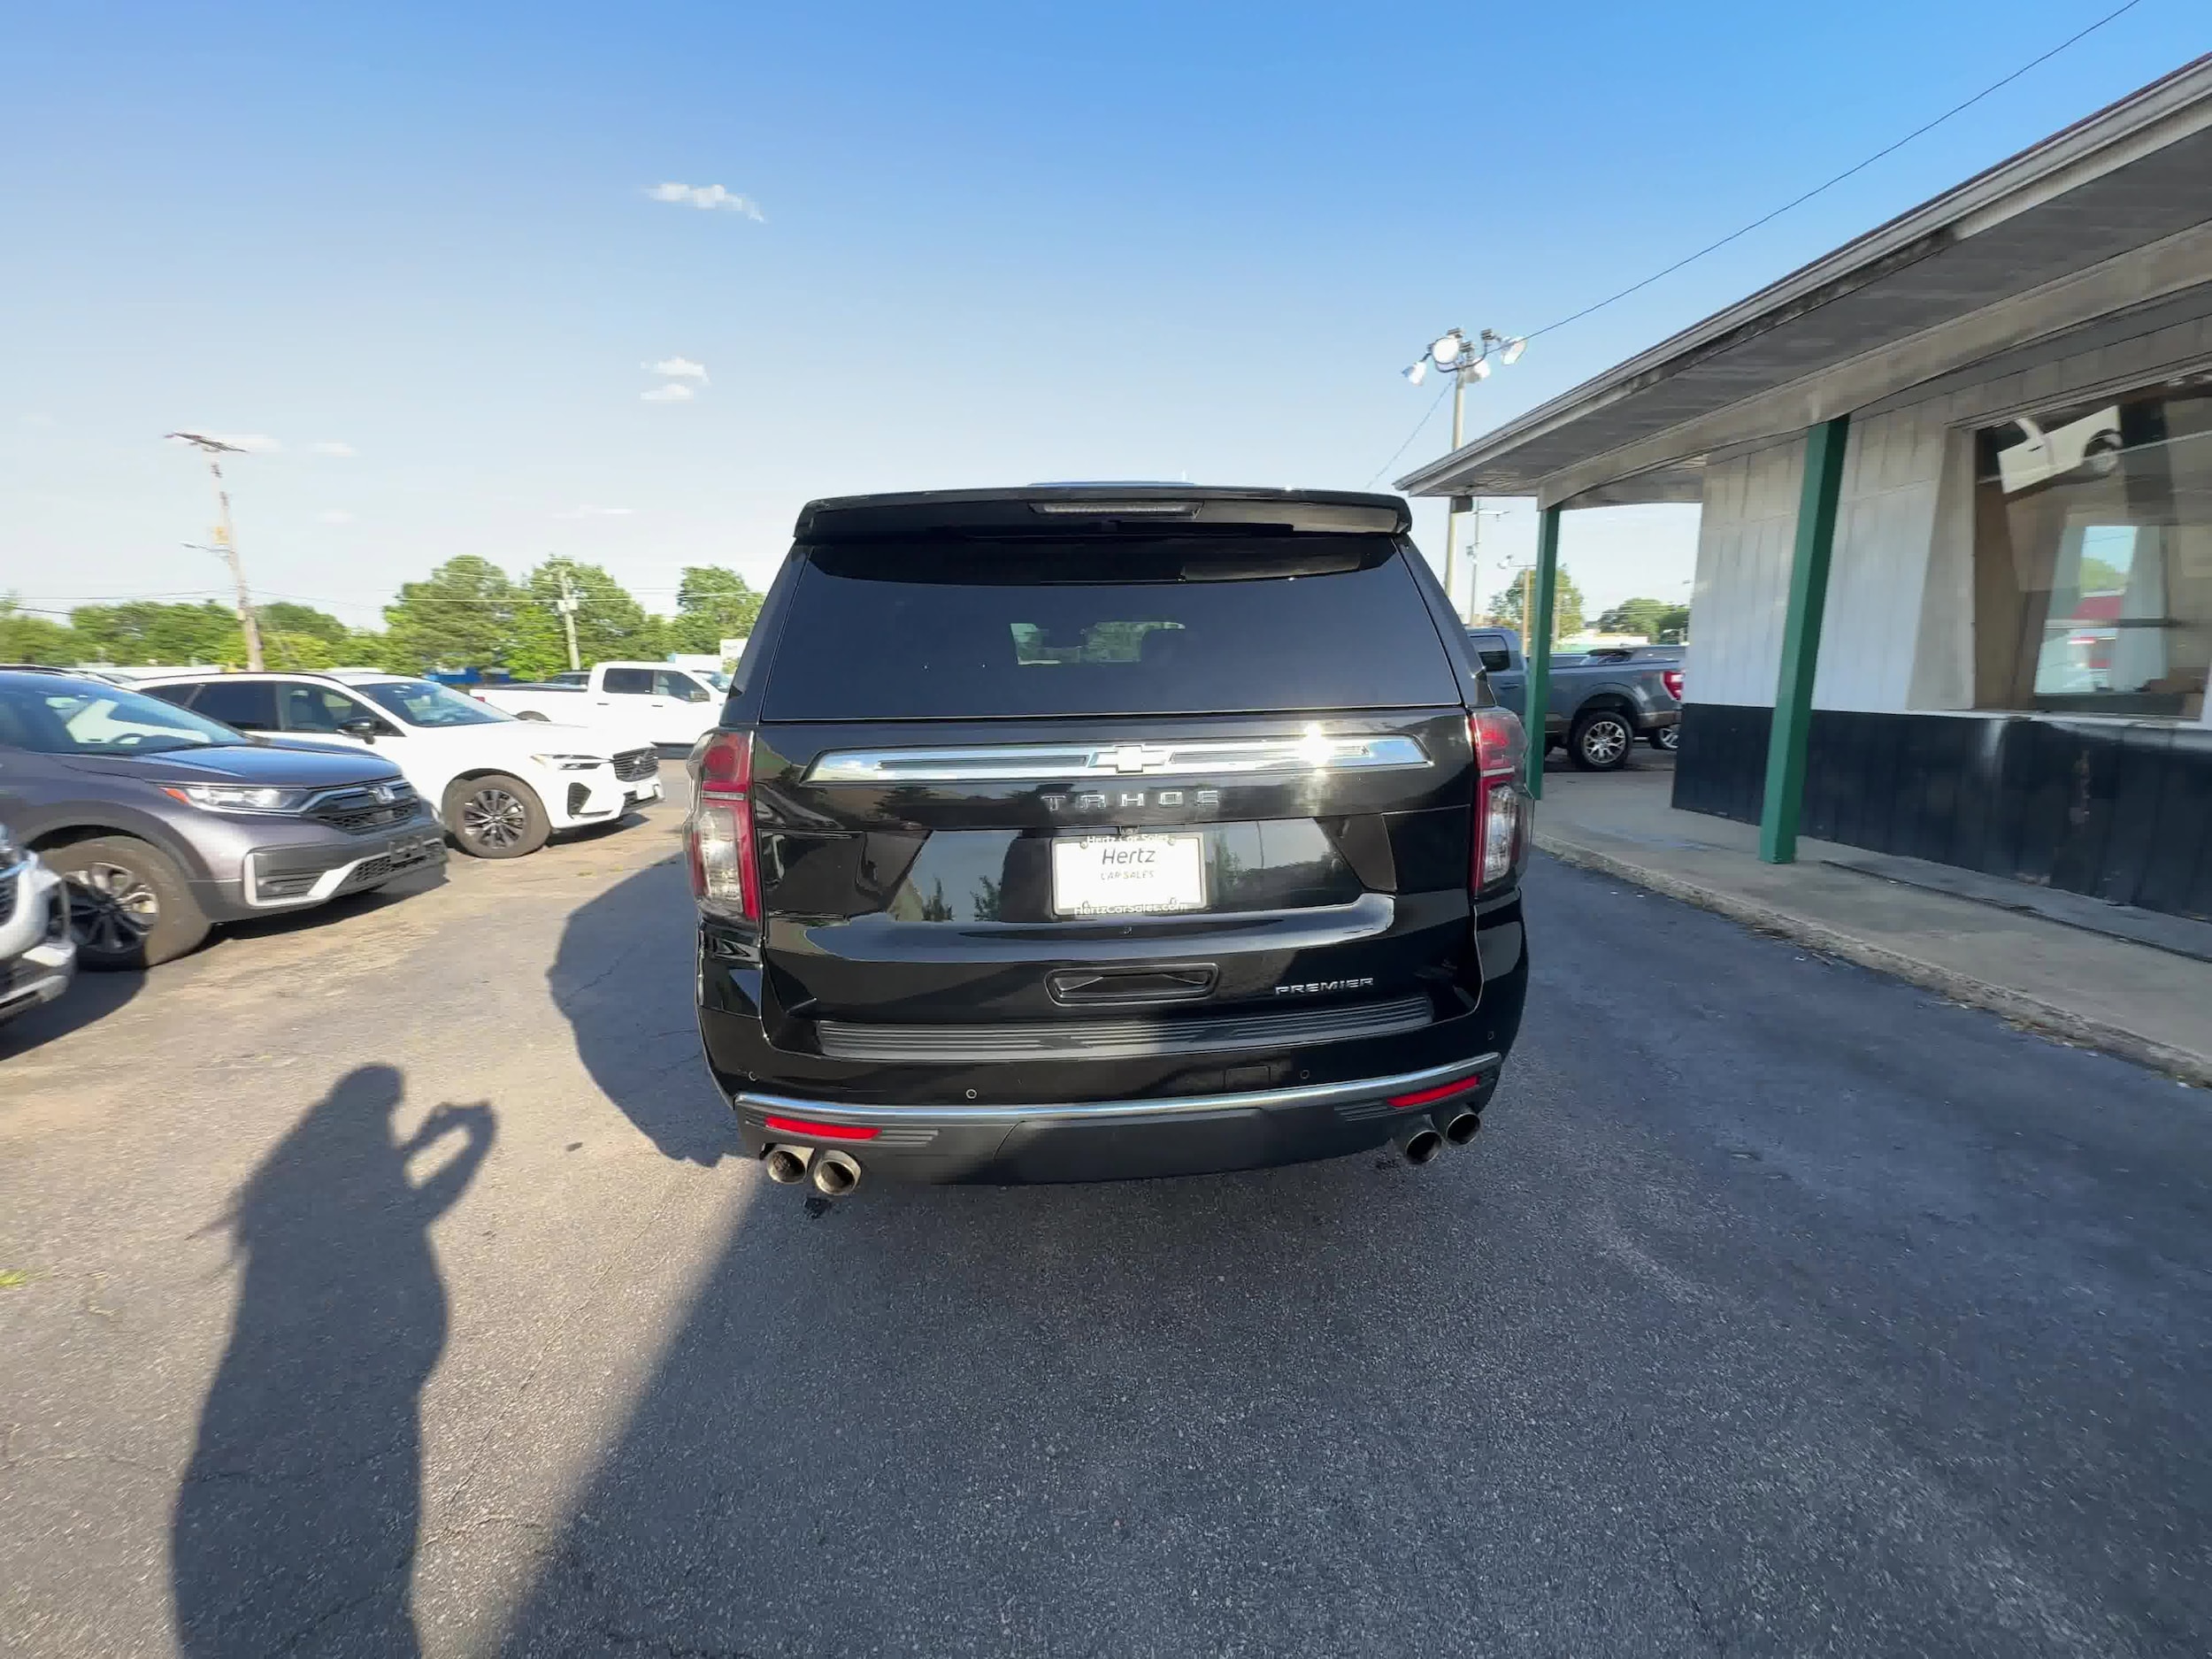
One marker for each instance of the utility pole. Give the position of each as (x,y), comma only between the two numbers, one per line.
(1452,507)
(1464,359)
(567,605)
(226,540)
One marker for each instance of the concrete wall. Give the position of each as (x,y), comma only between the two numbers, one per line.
(1741,592)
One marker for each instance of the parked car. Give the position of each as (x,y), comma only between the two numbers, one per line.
(501,785)
(163,823)
(1600,702)
(671,706)
(37,957)
(1159,830)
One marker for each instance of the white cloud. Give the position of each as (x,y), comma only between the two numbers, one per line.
(678,369)
(708,196)
(343,451)
(251,442)
(334,515)
(675,392)
(596,512)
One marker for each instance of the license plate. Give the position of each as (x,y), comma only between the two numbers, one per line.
(646,791)
(1128,875)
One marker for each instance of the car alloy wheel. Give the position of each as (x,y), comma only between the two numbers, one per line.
(1671,737)
(493,818)
(112,910)
(1604,740)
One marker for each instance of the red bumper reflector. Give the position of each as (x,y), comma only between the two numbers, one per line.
(1443,1091)
(807,1131)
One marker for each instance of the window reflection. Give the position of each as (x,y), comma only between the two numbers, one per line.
(2093,556)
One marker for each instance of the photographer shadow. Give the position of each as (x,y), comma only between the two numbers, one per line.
(296,1519)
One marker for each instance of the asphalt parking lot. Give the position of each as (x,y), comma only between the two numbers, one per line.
(389,1280)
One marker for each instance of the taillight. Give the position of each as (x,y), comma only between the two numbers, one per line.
(1672,677)
(718,838)
(1501,802)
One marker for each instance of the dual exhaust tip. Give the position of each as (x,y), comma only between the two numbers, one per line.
(835,1173)
(1424,1143)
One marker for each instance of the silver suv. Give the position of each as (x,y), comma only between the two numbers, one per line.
(163,823)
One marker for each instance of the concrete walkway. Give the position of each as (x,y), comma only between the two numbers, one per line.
(2085,972)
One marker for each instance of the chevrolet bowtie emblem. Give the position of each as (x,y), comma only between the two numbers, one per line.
(1131,757)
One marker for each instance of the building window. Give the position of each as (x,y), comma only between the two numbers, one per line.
(2092,555)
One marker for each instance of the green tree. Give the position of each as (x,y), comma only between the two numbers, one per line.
(25,638)
(283,616)
(300,652)
(370,647)
(610,624)
(1505,609)
(1632,616)
(145,630)
(462,615)
(712,604)
(1655,619)
(2099,576)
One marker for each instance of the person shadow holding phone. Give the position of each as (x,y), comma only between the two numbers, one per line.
(295,1527)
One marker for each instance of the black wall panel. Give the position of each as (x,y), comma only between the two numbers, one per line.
(2119,812)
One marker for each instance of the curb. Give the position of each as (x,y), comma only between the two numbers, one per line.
(2047,1018)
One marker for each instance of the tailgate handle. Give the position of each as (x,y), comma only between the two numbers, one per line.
(1156,982)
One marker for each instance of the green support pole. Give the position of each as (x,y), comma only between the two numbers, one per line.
(1536,648)
(1801,640)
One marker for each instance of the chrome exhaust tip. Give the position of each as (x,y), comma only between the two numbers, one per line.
(1422,1146)
(787,1165)
(1463,1128)
(835,1173)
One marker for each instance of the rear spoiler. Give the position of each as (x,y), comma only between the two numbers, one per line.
(1101,509)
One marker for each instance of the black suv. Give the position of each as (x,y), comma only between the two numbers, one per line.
(1083,831)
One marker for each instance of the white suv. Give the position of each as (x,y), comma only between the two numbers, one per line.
(500,785)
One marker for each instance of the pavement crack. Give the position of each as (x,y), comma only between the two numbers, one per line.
(604,975)
(1697,1611)
(337,1609)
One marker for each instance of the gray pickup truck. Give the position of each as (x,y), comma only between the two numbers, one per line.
(1601,701)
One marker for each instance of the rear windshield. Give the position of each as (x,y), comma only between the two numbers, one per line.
(949,629)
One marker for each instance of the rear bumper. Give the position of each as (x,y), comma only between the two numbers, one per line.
(1118,1140)
(1120,1116)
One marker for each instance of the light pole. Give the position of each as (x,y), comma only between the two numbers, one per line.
(1464,360)
(215,448)
(566,604)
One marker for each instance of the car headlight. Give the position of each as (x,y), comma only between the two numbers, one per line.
(10,853)
(238,797)
(571,763)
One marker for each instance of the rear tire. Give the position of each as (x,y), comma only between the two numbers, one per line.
(129,905)
(1668,739)
(1601,740)
(496,816)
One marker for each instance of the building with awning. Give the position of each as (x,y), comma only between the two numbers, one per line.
(1954,589)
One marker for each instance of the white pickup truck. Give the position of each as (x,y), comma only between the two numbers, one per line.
(670,705)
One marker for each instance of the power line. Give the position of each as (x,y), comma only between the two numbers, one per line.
(1956,109)
(1410,436)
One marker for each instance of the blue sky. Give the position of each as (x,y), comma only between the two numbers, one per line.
(992,244)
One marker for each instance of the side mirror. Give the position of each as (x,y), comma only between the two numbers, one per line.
(364,727)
